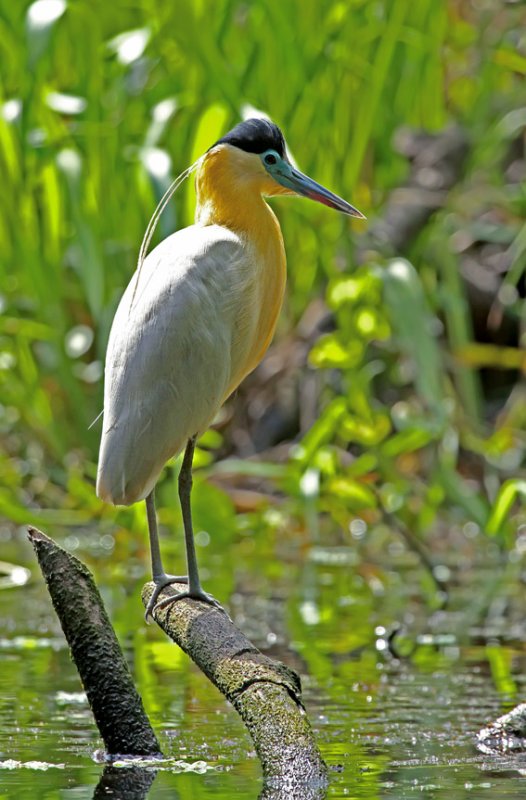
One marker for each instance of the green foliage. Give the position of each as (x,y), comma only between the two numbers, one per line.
(509,492)
(103,103)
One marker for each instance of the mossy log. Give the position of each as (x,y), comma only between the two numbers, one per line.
(116,705)
(265,693)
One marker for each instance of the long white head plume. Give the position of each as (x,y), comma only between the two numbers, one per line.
(154,219)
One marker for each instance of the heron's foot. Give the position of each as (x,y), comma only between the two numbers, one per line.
(160,583)
(193,594)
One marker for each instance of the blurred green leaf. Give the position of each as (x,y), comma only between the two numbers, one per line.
(322,430)
(412,323)
(367,433)
(213,511)
(510,491)
(353,492)
(407,441)
(210,127)
(329,352)
(42,16)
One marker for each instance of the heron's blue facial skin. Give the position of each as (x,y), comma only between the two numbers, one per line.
(284,173)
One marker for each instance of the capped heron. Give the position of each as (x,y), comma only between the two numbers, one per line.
(193,322)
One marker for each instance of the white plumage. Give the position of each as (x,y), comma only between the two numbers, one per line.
(173,355)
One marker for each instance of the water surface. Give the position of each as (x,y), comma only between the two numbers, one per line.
(393,721)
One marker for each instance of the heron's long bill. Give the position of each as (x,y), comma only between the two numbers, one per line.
(302,184)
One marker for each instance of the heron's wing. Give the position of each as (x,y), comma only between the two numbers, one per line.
(168,365)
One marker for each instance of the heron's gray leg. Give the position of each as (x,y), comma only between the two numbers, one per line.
(160,577)
(155,550)
(185,489)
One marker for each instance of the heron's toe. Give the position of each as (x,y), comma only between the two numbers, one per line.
(161,582)
(195,594)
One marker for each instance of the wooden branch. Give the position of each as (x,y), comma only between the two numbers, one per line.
(116,705)
(265,693)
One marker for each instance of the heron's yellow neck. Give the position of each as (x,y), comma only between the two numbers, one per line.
(230,185)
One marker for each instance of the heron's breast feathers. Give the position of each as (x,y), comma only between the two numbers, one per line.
(201,319)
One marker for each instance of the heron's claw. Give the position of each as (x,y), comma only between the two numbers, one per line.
(160,584)
(195,594)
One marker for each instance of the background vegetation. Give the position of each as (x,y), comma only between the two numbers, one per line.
(416,406)
(385,427)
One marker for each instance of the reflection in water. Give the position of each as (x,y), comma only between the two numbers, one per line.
(124,783)
(394,726)
(291,790)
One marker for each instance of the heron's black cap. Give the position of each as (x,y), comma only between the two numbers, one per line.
(255,136)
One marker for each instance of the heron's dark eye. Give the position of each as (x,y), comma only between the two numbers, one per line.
(270,159)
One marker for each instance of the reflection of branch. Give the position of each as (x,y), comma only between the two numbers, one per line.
(290,790)
(116,705)
(507,735)
(265,693)
(132,783)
